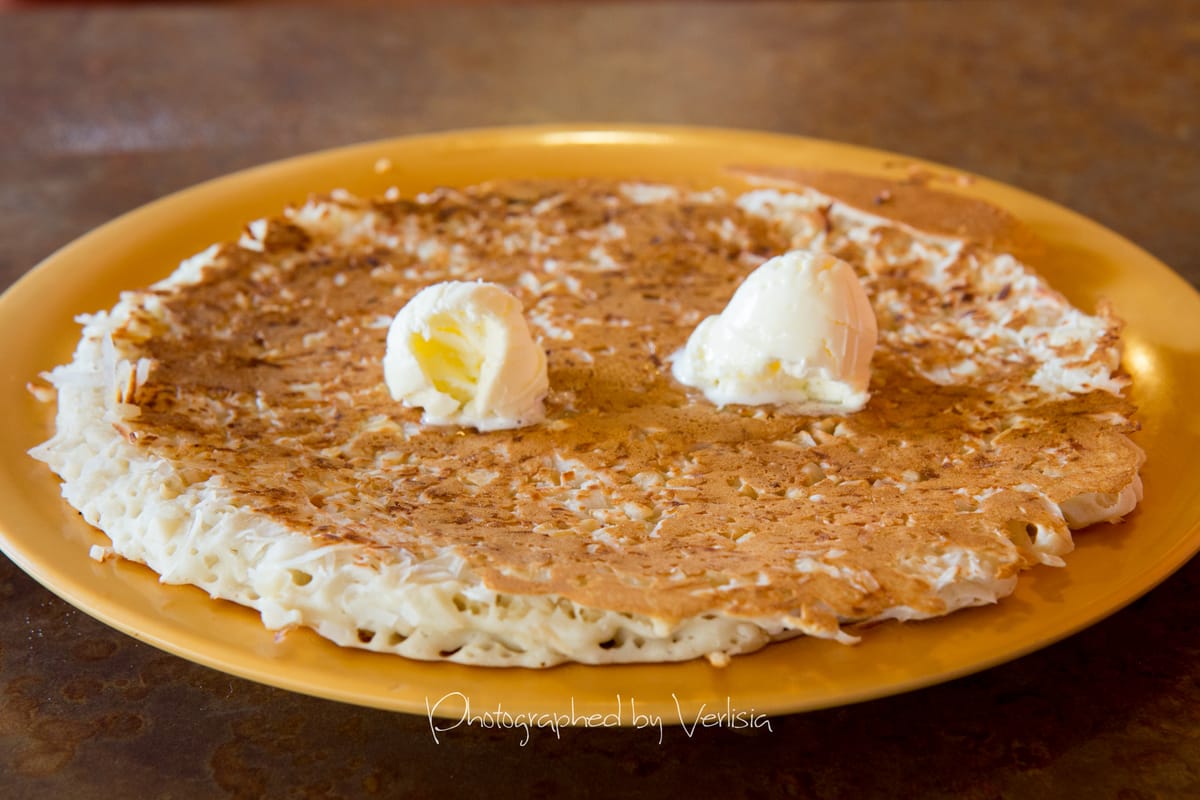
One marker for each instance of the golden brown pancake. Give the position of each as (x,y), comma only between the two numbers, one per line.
(638,522)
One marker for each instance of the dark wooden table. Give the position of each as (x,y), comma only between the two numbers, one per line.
(1095,105)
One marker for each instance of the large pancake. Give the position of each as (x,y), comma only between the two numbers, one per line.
(230,427)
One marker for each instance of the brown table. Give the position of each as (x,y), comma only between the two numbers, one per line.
(1094,105)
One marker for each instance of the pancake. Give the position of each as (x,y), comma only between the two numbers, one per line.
(230,428)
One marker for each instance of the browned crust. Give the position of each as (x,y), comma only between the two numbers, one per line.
(896,482)
(910,201)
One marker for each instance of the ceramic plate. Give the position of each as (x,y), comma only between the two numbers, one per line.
(1111,566)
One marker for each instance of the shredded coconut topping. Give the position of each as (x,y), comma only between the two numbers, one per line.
(230,428)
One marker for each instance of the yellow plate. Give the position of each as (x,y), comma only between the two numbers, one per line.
(1112,566)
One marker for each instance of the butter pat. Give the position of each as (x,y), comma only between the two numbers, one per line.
(799,332)
(463,352)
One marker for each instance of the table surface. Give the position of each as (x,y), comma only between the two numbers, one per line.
(1093,105)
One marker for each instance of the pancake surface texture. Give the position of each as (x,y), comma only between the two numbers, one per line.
(230,427)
